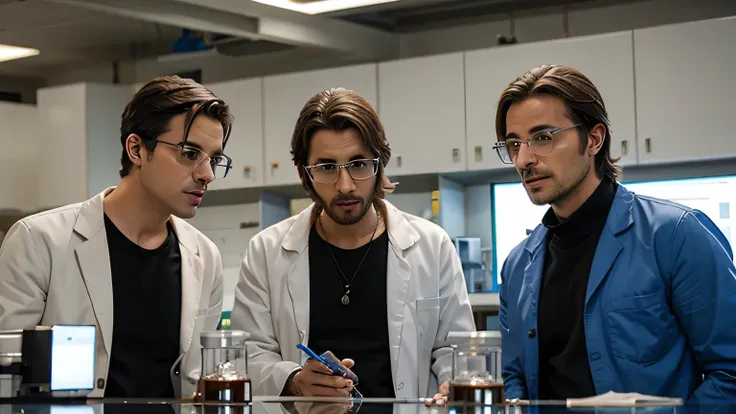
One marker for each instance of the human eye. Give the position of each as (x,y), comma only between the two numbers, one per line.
(191,154)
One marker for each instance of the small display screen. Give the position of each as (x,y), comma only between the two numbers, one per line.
(72,358)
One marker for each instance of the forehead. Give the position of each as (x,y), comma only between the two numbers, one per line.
(533,111)
(337,145)
(205,132)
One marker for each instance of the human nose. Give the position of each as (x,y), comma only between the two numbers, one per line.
(203,172)
(525,157)
(344,183)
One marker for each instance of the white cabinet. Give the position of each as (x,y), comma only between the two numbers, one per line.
(422,108)
(79,142)
(245,145)
(607,60)
(685,91)
(19,157)
(284,97)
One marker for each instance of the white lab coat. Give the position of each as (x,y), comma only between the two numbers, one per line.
(426,299)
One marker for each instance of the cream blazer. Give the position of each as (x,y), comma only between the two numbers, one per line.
(426,296)
(55,269)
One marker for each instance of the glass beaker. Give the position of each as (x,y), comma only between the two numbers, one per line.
(224,374)
(476,368)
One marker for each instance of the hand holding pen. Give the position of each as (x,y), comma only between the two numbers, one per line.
(316,379)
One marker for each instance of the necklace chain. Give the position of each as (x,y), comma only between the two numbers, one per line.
(345,300)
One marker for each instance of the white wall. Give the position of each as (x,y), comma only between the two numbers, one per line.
(18,157)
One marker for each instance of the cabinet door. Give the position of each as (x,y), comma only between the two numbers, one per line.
(284,97)
(607,60)
(245,145)
(685,89)
(422,103)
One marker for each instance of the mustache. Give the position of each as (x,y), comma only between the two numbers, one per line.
(531,172)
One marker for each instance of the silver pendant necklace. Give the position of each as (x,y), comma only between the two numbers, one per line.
(345,300)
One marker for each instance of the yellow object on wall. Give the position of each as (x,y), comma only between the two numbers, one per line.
(435,203)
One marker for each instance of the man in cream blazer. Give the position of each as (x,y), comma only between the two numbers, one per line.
(124,261)
(404,300)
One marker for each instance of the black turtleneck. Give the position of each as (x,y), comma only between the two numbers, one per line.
(571,244)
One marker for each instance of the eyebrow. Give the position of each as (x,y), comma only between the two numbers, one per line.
(538,128)
(332,160)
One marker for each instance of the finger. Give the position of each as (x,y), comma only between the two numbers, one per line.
(348,363)
(316,366)
(332,381)
(322,391)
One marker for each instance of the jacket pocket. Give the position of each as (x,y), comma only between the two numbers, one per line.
(641,328)
(427,321)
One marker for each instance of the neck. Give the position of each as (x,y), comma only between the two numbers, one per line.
(567,205)
(350,236)
(136,214)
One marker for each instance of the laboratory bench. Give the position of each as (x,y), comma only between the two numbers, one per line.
(305,405)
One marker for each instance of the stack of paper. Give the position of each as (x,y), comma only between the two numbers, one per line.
(613,399)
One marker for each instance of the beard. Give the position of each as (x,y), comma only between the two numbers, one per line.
(346,218)
(556,190)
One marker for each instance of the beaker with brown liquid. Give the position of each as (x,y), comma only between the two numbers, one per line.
(476,369)
(223,385)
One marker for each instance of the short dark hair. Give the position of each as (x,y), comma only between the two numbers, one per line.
(149,113)
(339,109)
(582,99)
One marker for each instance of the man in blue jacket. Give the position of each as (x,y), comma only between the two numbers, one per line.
(613,291)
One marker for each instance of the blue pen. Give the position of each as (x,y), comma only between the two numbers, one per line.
(311,353)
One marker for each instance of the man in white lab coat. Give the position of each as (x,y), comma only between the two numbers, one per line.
(125,261)
(351,274)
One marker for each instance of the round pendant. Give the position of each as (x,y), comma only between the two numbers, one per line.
(345,299)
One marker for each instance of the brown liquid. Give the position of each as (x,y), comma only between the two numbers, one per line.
(224,392)
(478,394)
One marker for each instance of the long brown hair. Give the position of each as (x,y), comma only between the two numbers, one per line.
(583,102)
(339,109)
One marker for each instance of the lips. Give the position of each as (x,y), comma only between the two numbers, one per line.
(535,178)
(195,197)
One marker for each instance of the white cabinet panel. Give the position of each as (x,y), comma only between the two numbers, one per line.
(685,90)
(606,59)
(245,145)
(284,97)
(19,159)
(422,108)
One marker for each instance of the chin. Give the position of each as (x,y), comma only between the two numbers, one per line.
(185,213)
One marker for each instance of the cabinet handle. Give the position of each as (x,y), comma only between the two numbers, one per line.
(398,161)
(246,171)
(455,155)
(478,153)
(274,165)
(624,147)
(648,144)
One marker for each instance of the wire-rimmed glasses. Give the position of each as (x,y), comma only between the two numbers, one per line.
(327,172)
(193,157)
(540,143)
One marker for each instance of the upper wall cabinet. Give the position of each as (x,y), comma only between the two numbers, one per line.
(422,107)
(245,145)
(19,158)
(79,141)
(606,59)
(284,97)
(685,90)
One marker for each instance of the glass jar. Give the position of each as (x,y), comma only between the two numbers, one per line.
(476,368)
(224,372)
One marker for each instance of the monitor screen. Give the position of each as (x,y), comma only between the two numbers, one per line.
(514,214)
(72,358)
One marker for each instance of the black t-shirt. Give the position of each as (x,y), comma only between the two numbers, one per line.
(146,286)
(564,371)
(358,330)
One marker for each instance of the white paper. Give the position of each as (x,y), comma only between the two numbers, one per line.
(613,399)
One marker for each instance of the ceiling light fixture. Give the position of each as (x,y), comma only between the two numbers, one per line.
(321,6)
(8,52)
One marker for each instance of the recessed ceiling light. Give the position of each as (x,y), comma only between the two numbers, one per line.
(321,6)
(8,52)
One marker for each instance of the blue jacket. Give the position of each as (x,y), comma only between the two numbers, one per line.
(660,307)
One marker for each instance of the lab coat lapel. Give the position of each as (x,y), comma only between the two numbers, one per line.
(191,283)
(619,219)
(296,244)
(398,273)
(93,259)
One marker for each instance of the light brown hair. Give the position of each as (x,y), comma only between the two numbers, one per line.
(339,109)
(150,111)
(582,100)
